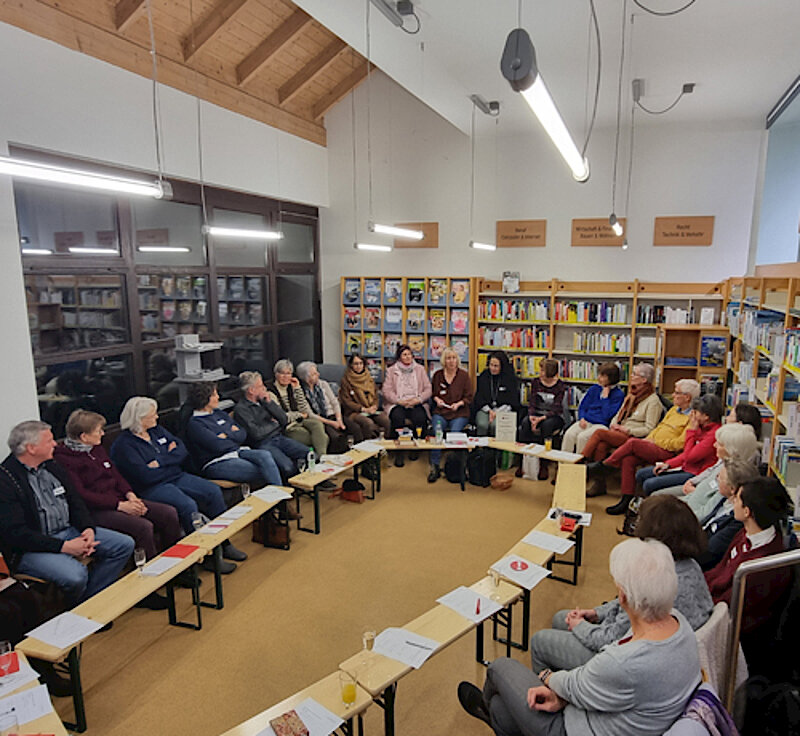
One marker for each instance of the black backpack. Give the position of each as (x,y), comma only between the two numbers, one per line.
(454,467)
(481,466)
(771,709)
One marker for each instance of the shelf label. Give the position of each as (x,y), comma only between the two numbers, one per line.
(596,231)
(683,230)
(430,238)
(521,233)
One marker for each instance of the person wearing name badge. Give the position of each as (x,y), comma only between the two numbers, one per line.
(46,531)
(452,398)
(359,399)
(324,406)
(597,408)
(498,390)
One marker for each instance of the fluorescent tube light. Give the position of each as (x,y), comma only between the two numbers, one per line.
(37,252)
(93,249)
(162,249)
(389,10)
(397,232)
(235,232)
(373,246)
(616,225)
(482,246)
(86,179)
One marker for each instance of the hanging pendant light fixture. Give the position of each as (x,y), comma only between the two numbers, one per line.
(616,225)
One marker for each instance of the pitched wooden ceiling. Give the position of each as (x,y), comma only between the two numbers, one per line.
(266,59)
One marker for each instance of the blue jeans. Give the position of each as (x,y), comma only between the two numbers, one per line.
(285,451)
(77,580)
(256,467)
(446,425)
(188,493)
(651,482)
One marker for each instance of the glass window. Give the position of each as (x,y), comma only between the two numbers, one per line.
(56,221)
(160,374)
(295,296)
(241,301)
(101,384)
(75,312)
(239,252)
(163,231)
(248,353)
(297,343)
(297,244)
(172,305)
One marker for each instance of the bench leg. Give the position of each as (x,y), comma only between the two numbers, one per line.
(386,701)
(220,602)
(315,497)
(172,613)
(74,667)
(505,620)
(574,563)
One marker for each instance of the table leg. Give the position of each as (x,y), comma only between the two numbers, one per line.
(220,603)
(74,667)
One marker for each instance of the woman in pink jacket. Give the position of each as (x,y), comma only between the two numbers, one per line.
(406,392)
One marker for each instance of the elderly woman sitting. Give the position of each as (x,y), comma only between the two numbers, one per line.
(324,405)
(637,685)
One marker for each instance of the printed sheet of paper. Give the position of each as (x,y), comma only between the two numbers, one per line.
(66,629)
(506,426)
(478,441)
(216,526)
(28,705)
(563,456)
(368,446)
(315,717)
(585,516)
(471,605)
(522,572)
(160,566)
(271,494)
(404,646)
(24,675)
(533,449)
(550,542)
(237,512)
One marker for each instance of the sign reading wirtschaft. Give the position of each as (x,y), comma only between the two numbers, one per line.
(683,230)
(521,233)
(596,231)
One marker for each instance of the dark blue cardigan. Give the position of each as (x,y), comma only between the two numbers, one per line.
(131,455)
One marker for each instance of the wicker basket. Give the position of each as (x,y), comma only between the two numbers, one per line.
(501,482)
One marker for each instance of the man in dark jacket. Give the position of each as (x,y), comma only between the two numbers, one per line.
(45,528)
(262,417)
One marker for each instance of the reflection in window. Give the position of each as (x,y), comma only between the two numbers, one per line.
(160,377)
(297,343)
(101,384)
(248,353)
(172,305)
(297,244)
(164,230)
(241,301)
(56,221)
(295,297)
(239,252)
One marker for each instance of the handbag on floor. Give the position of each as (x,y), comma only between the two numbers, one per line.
(631,517)
(272,532)
(351,490)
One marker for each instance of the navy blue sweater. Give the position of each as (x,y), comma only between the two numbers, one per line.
(132,454)
(203,434)
(597,410)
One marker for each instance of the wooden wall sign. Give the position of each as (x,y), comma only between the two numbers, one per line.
(521,233)
(683,230)
(596,231)
(430,239)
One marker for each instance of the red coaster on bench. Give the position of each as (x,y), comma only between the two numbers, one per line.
(180,550)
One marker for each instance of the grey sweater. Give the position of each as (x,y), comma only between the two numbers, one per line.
(693,601)
(638,688)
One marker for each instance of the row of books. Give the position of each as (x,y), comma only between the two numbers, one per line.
(240,314)
(433,292)
(598,312)
(786,459)
(601,342)
(99,297)
(528,338)
(180,287)
(372,345)
(514,310)
(657,314)
(586,370)
(760,328)
(416,320)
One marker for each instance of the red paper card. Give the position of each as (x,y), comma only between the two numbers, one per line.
(180,550)
(9,663)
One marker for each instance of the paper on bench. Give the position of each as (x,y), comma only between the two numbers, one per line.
(22,676)
(567,457)
(456,439)
(532,449)
(160,565)
(404,646)
(66,629)
(315,717)
(220,524)
(340,461)
(28,705)
(271,494)
(522,572)
(585,516)
(464,601)
(368,446)
(550,542)
(478,441)
(237,512)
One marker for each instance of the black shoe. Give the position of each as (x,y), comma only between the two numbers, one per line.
(596,469)
(620,507)
(434,474)
(399,460)
(597,487)
(471,699)
(413,456)
(153,602)
(225,568)
(187,580)
(57,686)
(544,470)
(229,552)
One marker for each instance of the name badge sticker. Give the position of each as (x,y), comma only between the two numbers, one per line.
(220,421)
(443,391)
(106,464)
(59,491)
(163,440)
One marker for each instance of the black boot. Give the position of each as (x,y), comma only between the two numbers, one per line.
(399,459)
(434,474)
(620,507)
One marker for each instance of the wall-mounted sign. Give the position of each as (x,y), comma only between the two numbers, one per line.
(521,233)
(596,231)
(430,239)
(683,230)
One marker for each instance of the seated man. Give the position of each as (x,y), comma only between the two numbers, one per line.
(45,529)
(262,417)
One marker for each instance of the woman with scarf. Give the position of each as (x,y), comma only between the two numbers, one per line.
(498,390)
(406,392)
(324,406)
(359,399)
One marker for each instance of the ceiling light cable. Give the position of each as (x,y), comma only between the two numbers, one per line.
(666,109)
(155,95)
(664,13)
(203,205)
(593,13)
(619,110)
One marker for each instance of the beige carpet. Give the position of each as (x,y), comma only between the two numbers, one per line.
(291,617)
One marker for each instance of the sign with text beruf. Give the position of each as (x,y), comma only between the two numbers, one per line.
(596,231)
(521,233)
(683,230)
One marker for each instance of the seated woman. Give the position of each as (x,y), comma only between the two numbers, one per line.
(579,634)
(546,412)
(597,408)
(498,390)
(358,396)
(667,439)
(323,405)
(452,397)
(637,417)
(302,426)
(719,524)
(699,449)
(150,458)
(406,391)
(636,685)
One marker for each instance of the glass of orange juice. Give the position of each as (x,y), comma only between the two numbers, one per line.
(347,684)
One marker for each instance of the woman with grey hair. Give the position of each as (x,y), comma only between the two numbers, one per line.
(639,684)
(324,405)
(302,427)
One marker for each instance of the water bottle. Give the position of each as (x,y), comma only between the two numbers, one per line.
(439,434)
(312,461)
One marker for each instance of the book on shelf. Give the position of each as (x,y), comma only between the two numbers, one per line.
(437,345)
(461,346)
(601,342)
(393,319)
(374,368)
(437,291)
(786,459)
(199,287)
(459,321)
(417,345)
(527,366)
(222,309)
(352,318)
(437,320)
(390,344)
(392,291)
(372,343)
(253,288)
(645,345)
(222,287)
(415,291)
(713,350)
(372,318)
(586,370)
(167,286)
(459,292)
(184,311)
(168,310)
(514,310)
(601,312)
(525,338)
(372,291)
(183,286)
(352,291)
(353,344)
(707,316)
(415,320)
(237,314)
(712,384)
(255,314)
(510,282)
(236,287)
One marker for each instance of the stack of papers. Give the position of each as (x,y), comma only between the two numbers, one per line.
(478,441)
(567,457)
(159,566)
(456,439)
(550,542)
(66,629)
(404,646)
(521,572)
(28,705)
(533,449)
(271,494)
(15,680)
(471,605)
(218,525)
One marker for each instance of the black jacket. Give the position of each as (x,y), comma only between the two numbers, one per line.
(720,536)
(20,527)
(261,421)
(507,392)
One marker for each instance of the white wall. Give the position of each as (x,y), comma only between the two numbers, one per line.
(421,171)
(60,100)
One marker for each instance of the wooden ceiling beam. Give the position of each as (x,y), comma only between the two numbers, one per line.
(348,84)
(127,11)
(207,28)
(271,45)
(314,67)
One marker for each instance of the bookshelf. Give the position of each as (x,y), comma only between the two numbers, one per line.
(172,305)
(692,351)
(429,314)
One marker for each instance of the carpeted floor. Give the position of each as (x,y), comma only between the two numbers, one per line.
(291,617)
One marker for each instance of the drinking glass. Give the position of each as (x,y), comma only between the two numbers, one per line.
(245,490)
(197,520)
(350,441)
(347,685)
(302,465)
(9,725)
(368,639)
(495,596)
(140,558)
